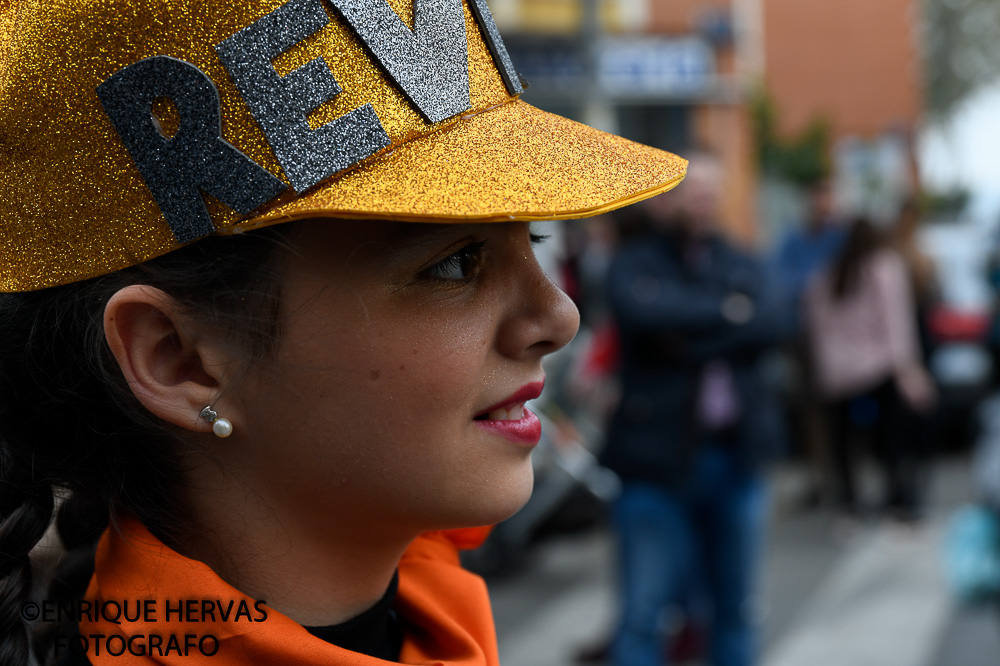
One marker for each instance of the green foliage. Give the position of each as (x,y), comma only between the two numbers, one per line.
(803,160)
(961,50)
(943,205)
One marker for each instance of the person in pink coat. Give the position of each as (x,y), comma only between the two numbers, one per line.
(863,338)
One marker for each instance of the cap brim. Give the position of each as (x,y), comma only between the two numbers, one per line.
(510,162)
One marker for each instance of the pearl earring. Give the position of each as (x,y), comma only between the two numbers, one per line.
(222,427)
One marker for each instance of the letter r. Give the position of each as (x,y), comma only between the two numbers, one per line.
(196,158)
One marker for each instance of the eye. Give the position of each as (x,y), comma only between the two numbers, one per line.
(462,265)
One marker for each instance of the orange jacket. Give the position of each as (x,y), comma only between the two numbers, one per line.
(173,610)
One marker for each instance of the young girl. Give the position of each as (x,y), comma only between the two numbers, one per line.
(259,441)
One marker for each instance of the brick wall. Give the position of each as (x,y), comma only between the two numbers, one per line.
(854,61)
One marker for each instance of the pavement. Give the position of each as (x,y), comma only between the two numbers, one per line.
(832,594)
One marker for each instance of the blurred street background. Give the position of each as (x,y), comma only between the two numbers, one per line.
(875,596)
(793,356)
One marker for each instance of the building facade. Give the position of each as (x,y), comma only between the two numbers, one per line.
(680,75)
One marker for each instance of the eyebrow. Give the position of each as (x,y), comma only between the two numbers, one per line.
(416,237)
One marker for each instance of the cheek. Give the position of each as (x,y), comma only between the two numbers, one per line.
(456,473)
(426,371)
(382,415)
(415,394)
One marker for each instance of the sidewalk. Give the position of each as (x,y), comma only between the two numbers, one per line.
(875,597)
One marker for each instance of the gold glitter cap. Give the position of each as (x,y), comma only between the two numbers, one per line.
(81,196)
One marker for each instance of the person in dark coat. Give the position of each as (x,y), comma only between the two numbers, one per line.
(696,317)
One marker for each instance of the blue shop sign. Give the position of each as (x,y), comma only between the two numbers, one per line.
(632,66)
(654,65)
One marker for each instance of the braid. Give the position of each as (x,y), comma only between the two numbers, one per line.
(25,511)
(56,369)
(79,523)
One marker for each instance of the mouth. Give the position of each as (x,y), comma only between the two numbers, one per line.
(511,408)
(511,420)
(513,413)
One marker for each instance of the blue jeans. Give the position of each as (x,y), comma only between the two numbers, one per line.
(704,535)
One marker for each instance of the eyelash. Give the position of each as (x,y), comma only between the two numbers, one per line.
(457,261)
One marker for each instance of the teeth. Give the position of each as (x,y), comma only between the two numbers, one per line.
(512,413)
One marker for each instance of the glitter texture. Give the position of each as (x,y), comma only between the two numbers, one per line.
(195,158)
(73,203)
(282,104)
(498,49)
(516,163)
(430,62)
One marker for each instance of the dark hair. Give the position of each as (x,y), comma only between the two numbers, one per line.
(862,241)
(71,429)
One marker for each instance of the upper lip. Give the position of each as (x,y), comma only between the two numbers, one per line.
(527,392)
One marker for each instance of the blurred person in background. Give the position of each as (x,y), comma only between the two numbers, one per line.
(806,250)
(920,269)
(869,370)
(695,315)
(925,285)
(592,380)
(809,248)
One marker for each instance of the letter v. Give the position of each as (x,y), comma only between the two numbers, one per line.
(430,63)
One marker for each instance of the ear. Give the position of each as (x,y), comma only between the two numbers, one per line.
(172,368)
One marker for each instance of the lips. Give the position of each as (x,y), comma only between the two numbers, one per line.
(511,420)
(512,413)
(512,404)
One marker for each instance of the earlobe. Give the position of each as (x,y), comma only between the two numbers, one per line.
(162,355)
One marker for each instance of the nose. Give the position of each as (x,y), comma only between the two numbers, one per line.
(541,318)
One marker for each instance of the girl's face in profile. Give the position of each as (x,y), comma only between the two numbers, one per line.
(396,341)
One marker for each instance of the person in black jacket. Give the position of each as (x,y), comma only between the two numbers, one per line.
(696,316)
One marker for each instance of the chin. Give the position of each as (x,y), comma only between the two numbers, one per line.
(513,503)
(494,503)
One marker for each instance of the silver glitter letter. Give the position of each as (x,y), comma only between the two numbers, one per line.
(281,104)
(196,157)
(498,49)
(430,63)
